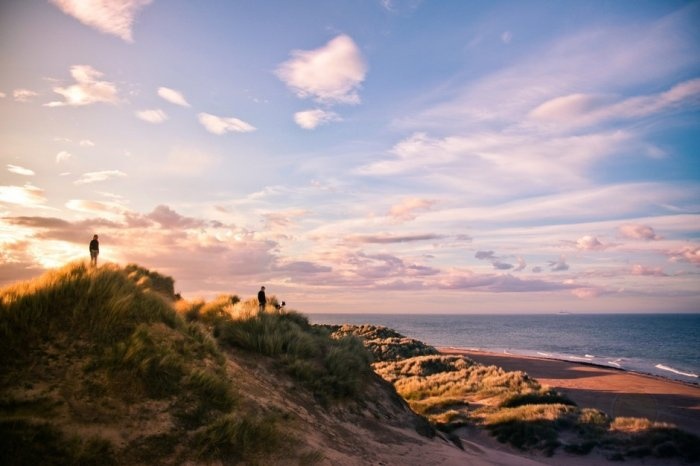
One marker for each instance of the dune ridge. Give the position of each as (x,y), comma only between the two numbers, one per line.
(107,365)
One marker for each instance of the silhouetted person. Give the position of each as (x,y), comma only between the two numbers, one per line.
(94,250)
(262,300)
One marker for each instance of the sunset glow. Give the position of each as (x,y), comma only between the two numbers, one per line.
(375,156)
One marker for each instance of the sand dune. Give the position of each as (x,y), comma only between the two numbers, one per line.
(618,393)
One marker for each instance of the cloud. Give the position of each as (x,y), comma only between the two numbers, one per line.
(93,177)
(86,143)
(640,270)
(590,243)
(690,254)
(168,218)
(389,239)
(407,208)
(502,283)
(152,116)
(63,156)
(37,222)
(496,261)
(485,255)
(283,220)
(519,161)
(559,265)
(586,292)
(2,95)
(303,268)
(23,95)
(222,125)
(521,265)
(27,195)
(87,90)
(588,109)
(506,37)
(310,119)
(637,231)
(96,207)
(173,96)
(115,17)
(16,169)
(330,74)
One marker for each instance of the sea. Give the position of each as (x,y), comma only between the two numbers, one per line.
(664,345)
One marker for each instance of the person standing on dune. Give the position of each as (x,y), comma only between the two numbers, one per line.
(262,300)
(94,250)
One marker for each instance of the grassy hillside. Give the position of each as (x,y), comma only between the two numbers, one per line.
(103,366)
(454,391)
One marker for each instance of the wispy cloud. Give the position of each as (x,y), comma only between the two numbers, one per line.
(152,116)
(94,177)
(23,95)
(589,109)
(310,119)
(222,125)
(27,195)
(641,270)
(63,156)
(330,74)
(87,90)
(16,169)
(408,208)
(115,17)
(387,238)
(690,254)
(96,207)
(173,96)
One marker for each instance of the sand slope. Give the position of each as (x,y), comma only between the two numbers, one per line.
(616,392)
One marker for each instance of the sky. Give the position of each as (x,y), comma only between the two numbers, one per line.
(371,156)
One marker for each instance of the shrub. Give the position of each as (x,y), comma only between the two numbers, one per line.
(234,438)
(536,398)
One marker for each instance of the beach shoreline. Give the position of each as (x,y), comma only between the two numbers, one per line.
(617,392)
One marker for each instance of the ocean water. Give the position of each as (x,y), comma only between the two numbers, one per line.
(666,345)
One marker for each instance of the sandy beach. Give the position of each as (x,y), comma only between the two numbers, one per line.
(618,393)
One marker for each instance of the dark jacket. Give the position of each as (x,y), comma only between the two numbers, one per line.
(261,297)
(94,245)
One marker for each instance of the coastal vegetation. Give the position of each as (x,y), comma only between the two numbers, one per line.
(454,392)
(108,365)
(88,354)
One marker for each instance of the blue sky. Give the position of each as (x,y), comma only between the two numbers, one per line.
(360,156)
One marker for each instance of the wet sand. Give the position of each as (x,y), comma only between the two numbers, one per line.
(616,392)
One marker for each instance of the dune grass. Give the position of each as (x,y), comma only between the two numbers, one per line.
(454,391)
(91,344)
(332,368)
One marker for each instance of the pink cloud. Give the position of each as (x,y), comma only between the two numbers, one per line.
(590,243)
(637,231)
(641,270)
(389,238)
(690,254)
(407,209)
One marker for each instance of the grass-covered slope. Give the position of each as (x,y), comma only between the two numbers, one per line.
(453,392)
(103,366)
